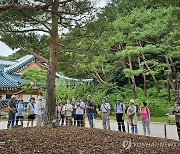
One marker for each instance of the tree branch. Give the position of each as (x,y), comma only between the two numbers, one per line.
(15,5)
(25,31)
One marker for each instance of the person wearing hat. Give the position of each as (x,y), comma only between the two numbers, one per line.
(31,111)
(39,108)
(131,113)
(89,110)
(11,111)
(119,109)
(105,113)
(20,111)
(176,112)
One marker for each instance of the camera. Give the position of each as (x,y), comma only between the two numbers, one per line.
(174,111)
(15,110)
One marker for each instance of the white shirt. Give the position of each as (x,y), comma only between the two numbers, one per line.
(80,108)
(31,108)
(38,107)
(105,107)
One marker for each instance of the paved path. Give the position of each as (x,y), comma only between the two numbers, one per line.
(157,129)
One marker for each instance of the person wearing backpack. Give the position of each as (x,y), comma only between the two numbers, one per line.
(145,117)
(119,109)
(131,113)
(31,111)
(105,113)
(20,111)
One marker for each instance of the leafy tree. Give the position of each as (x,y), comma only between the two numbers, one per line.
(26,18)
(34,80)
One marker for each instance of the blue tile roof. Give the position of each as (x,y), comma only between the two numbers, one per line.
(6,83)
(10,79)
(8,76)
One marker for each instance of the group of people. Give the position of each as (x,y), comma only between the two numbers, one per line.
(16,111)
(121,113)
(74,111)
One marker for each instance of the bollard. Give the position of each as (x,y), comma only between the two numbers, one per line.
(54,123)
(165,131)
(128,126)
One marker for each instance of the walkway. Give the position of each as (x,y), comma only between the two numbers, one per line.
(157,129)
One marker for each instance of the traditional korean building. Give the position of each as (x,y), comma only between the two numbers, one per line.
(10,76)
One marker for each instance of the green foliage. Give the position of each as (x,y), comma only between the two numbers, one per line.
(158,103)
(34,80)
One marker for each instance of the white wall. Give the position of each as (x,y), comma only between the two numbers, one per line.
(27,97)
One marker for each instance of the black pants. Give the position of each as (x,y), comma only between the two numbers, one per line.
(80,121)
(120,122)
(178,129)
(19,118)
(74,120)
(62,119)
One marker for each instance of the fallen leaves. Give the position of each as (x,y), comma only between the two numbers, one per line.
(75,140)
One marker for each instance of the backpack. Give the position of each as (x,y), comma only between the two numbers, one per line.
(137,109)
(122,106)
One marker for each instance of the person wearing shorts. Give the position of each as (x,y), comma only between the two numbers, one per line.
(31,111)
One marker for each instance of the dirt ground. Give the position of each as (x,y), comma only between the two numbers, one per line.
(74,140)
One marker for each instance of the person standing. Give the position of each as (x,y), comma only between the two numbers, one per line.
(0,106)
(131,113)
(73,103)
(120,109)
(68,111)
(89,110)
(105,113)
(20,112)
(145,117)
(39,111)
(31,111)
(11,111)
(80,106)
(62,112)
(58,109)
(176,112)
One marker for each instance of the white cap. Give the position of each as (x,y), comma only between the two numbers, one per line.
(40,97)
(13,96)
(132,101)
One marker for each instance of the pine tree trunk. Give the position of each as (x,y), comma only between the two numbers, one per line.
(144,77)
(153,76)
(52,67)
(134,87)
(168,78)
